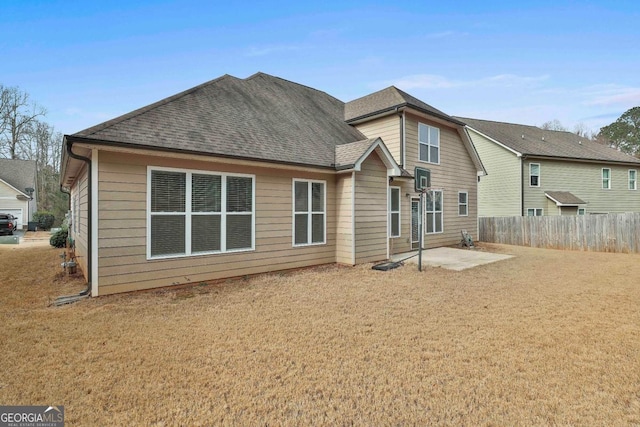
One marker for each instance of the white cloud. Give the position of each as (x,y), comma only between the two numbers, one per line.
(445,34)
(612,95)
(432,81)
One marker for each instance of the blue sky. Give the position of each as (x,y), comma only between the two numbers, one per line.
(523,62)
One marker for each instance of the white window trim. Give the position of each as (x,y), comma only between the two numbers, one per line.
(534,211)
(424,222)
(539,174)
(602,179)
(584,211)
(399,211)
(635,179)
(465,204)
(310,212)
(428,144)
(188,214)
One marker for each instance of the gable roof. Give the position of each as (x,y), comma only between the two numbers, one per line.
(350,156)
(564,198)
(534,141)
(261,117)
(20,174)
(387,100)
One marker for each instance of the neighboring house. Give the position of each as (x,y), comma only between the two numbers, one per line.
(16,177)
(243,176)
(533,171)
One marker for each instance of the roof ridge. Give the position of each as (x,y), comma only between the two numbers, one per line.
(261,73)
(142,110)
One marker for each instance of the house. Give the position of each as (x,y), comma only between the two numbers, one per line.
(533,171)
(242,176)
(18,195)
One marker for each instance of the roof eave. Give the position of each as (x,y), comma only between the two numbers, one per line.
(400,107)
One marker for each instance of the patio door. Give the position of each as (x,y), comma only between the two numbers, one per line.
(415,218)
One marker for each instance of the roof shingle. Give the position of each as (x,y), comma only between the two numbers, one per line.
(260,117)
(387,100)
(534,141)
(20,174)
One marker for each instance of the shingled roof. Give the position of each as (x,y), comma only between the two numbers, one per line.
(261,117)
(564,198)
(534,141)
(387,100)
(20,174)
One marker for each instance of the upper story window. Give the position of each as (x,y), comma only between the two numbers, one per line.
(198,212)
(309,211)
(534,174)
(429,143)
(606,178)
(394,211)
(633,181)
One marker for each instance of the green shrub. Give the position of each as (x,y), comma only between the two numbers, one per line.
(44,219)
(59,239)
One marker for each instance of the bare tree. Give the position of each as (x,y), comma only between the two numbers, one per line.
(583,130)
(553,125)
(19,115)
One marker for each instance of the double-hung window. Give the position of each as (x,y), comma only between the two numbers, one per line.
(309,212)
(434,212)
(394,211)
(463,203)
(534,174)
(633,181)
(606,178)
(429,143)
(199,212)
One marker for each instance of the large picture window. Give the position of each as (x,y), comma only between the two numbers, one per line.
(433,220)
(394,211)
(193,212)
(309,212)
(429,143)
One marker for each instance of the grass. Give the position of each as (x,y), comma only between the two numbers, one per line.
(545,338)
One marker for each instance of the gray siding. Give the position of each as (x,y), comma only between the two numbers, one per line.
(584,180)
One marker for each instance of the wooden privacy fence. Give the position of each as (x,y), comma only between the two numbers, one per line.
(602,233)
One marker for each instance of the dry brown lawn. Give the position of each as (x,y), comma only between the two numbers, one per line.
(545,338)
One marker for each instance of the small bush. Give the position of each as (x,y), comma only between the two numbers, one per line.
(59,239)
(44,219)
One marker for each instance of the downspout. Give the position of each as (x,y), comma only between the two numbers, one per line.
(73,298)
(401,115)
(522,181)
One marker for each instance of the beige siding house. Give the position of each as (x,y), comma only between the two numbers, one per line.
(532,171)
(244,176)
(16,177)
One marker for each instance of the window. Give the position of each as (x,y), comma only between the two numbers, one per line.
(606,178)
(194,213)
(534,174)
(582,211)
(463,203)
(434,212)
(394,211)
(633,185)
(309,222)
(534,212)
(429,143)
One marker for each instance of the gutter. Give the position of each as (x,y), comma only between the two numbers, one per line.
(68,299)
